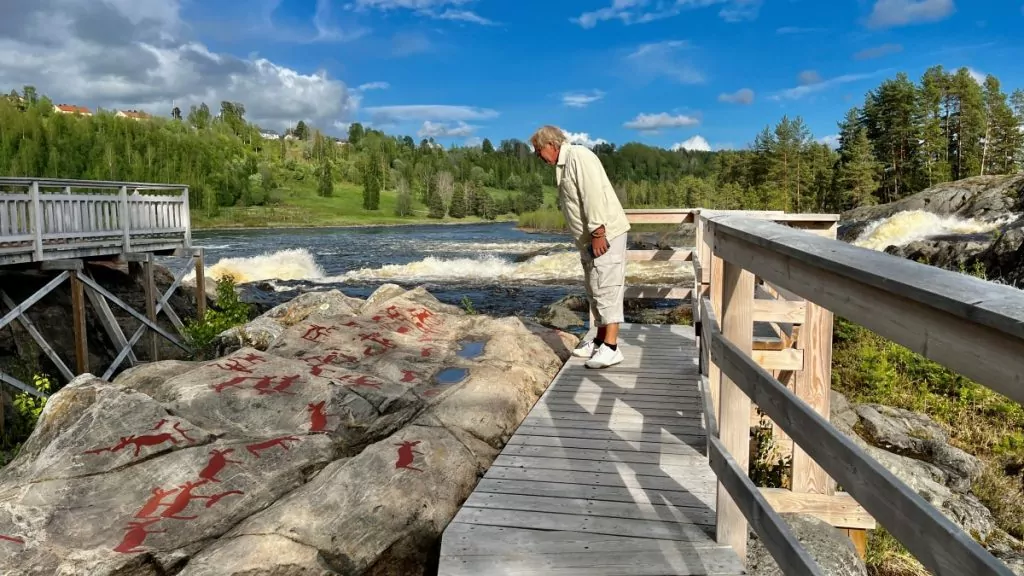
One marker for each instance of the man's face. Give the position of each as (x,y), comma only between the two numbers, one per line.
(548,153)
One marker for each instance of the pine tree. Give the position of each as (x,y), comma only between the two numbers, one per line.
(889,114)
(932,117)
(457,208)
(966,125)
(1002,135)
(857,176)
(436,205)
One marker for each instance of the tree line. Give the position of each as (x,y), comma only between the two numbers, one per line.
(905,137)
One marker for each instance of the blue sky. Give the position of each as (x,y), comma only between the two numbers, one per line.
(662,72)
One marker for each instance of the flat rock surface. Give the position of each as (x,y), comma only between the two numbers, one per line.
(339,440)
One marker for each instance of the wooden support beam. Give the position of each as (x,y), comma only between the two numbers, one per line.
(108,320)
(51,265)
(30,327)
(200,255)
(22,386)
(840,510)
(658,293)
(42,292)
(149,287)
(78,324)
(788,359)
(141,318)
(715,285)
(734,410)
(682,255)
(782,311)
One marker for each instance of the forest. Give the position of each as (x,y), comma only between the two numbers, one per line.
(905,137)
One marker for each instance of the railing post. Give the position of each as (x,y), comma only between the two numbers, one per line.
(199,254)
(186,217)
(37,221)
(737,289)
(78,321)
(125,220)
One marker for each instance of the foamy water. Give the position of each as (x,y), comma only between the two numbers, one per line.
(913,225)
(294,264)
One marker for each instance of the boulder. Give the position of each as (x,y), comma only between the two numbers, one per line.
(830,548)
(344,444)
(978,197)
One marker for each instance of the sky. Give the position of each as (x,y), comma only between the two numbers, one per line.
(696,74)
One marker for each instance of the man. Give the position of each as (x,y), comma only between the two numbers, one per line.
(599,225)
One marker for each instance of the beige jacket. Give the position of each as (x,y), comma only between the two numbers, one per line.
(587,197)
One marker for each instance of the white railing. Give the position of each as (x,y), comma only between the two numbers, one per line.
(40,218)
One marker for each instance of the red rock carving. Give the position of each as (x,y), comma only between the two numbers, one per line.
(375,338)
(431,392)
(409,376)
(218,461)
(425,352)
(243,364)
(14,539)
(317,363)
(316,332)
(135,535)
(154,503)
(406,455)
(361,381)
(255,449)
(145,440)
(317,417)
(264,384)
(181,501)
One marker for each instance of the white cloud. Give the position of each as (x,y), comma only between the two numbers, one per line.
(429,8)
(808,77)
(583,138)
(441,130)
(581,99)
(653,122)
(134,54)
(373,86)
(473,142)
(832,141)
(741,96)
(663,59)
(878,51)
(804,90)
(978,77)
(895,13)
(436,112)
(644,11)
(695,144)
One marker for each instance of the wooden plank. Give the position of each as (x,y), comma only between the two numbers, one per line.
(149,288)
(619,411)
(789,359)
(589,524)
(717,268)
(653,217)
(771,529)
(632,495)
(591,563)
(971,326)
(674,425)
(779,311)
(520,440)
(78,324)
(702,484)
(663,470)
(690,437)
(698,513)
(658,293)
(839,510)
(734,407)
(605,403)
(682,255)
(625,415)
(39,295)
(626,456)
(932,538)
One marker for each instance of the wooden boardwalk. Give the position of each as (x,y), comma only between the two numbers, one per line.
(606,476)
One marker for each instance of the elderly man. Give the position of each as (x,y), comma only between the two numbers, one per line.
(599,225)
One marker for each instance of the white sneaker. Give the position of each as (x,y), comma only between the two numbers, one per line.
(585,349)
(605,357)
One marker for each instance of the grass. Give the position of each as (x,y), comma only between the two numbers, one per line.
(300,206)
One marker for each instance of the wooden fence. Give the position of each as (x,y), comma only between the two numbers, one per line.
(44,220)
(749,269)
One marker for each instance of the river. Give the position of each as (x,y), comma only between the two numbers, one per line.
(501,269)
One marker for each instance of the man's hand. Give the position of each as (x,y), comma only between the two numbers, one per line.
(599,246)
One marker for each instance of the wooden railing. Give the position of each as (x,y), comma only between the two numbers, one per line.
(749,269)
(47,219)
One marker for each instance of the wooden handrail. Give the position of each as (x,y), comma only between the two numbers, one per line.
(971,326)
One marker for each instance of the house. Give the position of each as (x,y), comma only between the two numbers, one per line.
(133,115)
(269,135)
(71,109)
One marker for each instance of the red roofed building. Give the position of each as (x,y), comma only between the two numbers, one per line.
(133,114)
(71,109)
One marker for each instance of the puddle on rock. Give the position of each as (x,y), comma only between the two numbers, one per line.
(451,375)
(470,349)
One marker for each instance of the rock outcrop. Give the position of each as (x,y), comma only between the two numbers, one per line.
(338,437)
(830,548)
(916,450)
